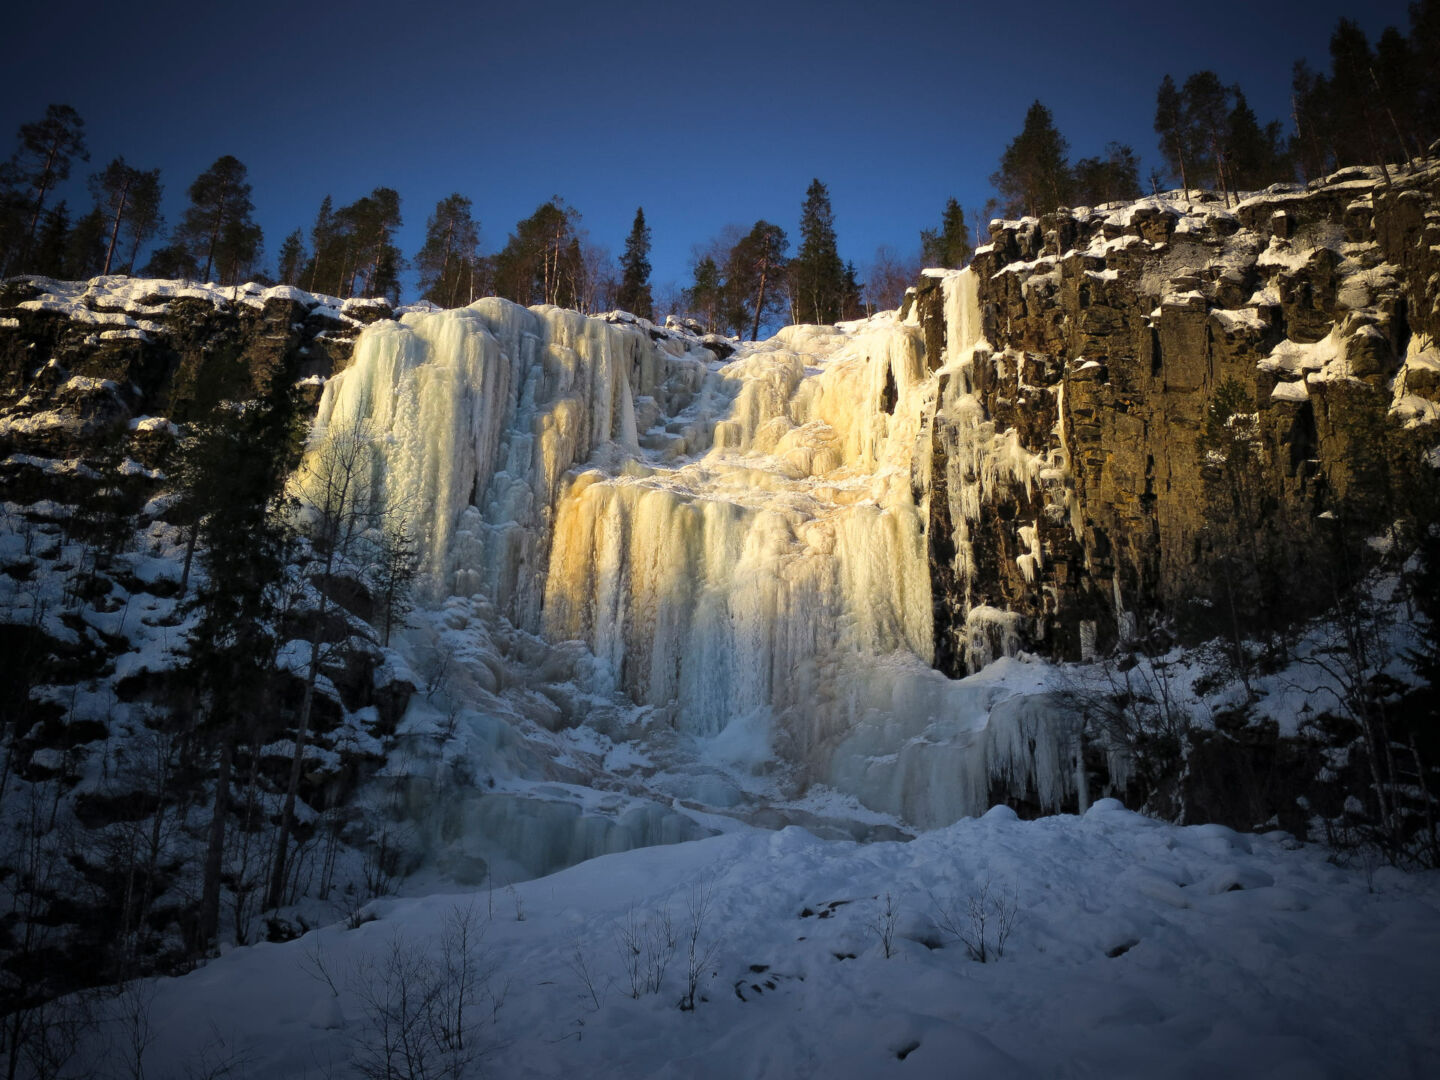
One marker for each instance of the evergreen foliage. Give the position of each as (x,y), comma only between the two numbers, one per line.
(949,245)
(449,263)
(85,247)
(291,260)
(47,148)
(755,277)
(705,297)
(217,225)
(233,471)
(1034,174)
(1113,178)
(1210,137)
(817,276)
(1376,105)
(130,200)
(542,262)
(47,253)
(352,251)
(142,220)
(1170,126)
(634,295)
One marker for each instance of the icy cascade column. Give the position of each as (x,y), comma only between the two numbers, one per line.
(981,463)
(485,406)
(732,584)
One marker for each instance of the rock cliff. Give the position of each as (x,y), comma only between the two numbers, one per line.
(1110,334)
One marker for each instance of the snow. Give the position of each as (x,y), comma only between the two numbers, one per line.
(131,304)
(1135,949)
(1290,391)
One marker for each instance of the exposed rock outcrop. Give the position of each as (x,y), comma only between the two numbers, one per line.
(1109,333)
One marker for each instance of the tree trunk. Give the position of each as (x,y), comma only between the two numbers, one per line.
(40,200)
(760,302)
(215,233)
(189,558)
(115,229)
(302,729)
(208,922)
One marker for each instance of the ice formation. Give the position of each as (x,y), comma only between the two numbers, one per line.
(741,546)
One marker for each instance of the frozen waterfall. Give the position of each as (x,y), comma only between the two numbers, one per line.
(741,546)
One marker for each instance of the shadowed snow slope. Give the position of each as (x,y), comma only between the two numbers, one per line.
(1137,950)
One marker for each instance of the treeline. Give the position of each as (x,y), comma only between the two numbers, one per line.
(742,281)
(1376,105)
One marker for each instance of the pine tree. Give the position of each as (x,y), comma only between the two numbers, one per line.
(1170,126)
(111,189)
(948,246)
(755,275)
(142,217)
(634,295)
(1034,174)
(376,263)
(47,148)
(219,201)
(448,259)
(542,262)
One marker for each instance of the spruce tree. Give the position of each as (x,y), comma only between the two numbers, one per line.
(85,246)
(50,247)
(1257,158)
(291,260)
(324,253)
(235,462)
(949,245)
(817,276)
(1034,173)
(634,295)
(1113,178)
(704,297)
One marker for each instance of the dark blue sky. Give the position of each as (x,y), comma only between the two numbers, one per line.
(704,115)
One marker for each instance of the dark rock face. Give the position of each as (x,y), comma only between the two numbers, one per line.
(78,360)
(1107,336)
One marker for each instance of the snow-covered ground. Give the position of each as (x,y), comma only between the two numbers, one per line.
(1135,949)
